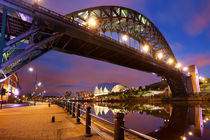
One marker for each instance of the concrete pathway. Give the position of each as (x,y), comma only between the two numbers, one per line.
(34,123)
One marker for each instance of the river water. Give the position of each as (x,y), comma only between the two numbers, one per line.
(174,121)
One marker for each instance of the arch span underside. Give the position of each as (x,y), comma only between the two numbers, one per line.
(67,34)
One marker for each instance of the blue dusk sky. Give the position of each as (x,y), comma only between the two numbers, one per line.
(184,23)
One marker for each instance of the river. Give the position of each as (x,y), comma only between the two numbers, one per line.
(168,121)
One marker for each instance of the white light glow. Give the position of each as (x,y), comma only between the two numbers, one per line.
(39,84)
(16,92)
(30,69)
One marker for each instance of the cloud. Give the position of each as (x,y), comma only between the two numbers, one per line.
(176,46)
(200,60)
(199,21)
(60,72)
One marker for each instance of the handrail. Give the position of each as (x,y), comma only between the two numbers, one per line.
(101,119)
(138,134)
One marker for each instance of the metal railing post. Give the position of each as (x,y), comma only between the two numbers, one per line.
(70,108)
(78,114)
(88,122)
(118,124)
(73,111)
(67,107)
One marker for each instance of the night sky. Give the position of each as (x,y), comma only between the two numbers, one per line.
(184,24)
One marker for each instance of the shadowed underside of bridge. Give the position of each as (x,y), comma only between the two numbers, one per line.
(48,30)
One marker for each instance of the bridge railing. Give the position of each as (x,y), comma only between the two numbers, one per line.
(75,109)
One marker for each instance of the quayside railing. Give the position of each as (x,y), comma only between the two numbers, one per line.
(75,109)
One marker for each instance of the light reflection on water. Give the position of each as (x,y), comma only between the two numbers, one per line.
(162,121)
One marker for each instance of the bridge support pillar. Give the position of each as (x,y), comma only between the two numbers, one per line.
(193,81)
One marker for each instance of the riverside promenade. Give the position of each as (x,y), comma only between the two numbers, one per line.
(34,123)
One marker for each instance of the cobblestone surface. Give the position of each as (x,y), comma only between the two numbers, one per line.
(34,123)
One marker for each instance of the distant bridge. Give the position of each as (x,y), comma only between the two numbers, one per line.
(112,34)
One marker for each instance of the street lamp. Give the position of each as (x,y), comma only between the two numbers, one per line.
(39,84)
(31,69)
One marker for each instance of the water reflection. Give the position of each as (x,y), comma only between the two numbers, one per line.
(162,121)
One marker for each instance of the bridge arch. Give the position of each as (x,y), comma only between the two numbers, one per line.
(125,21)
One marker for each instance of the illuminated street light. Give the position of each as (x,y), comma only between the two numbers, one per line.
(184,138)
(185,69)
(201,78)
(92,22)
(170,61)
(39,84)
(125,38)
(190,133)
(160,55)
(145,48)
(30,69)
(178,65)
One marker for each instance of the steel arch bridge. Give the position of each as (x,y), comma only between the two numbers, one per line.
(29,31)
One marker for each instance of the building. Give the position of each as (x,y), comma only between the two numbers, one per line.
(106,88)
(12,87)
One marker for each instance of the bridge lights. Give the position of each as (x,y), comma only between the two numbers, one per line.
(178,65)
(91,22)
(185,69)
(125,38)
(170,61)
(160,55)
(145,48)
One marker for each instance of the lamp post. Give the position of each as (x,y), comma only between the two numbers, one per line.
(31,69)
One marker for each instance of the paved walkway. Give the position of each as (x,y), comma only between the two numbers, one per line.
(34,123)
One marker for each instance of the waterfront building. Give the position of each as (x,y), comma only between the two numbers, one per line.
(11,85)
(106,88)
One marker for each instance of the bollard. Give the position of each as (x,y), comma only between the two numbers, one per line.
(70,108)
(73,111)
(118,123)
(88,122)
(78,114)
(53,119)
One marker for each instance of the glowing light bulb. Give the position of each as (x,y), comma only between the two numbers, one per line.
(160,55)
(145,48)
(170,61)
(124,37)
(185,69)
(92,22)
(30,69)
(178,65)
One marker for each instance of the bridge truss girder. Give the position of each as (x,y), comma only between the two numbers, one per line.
(125,21)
